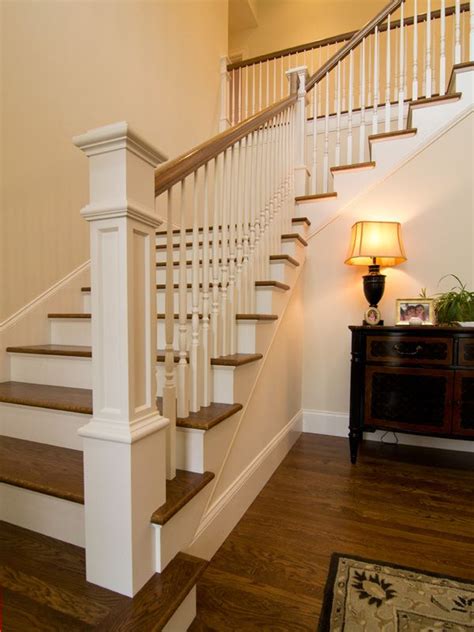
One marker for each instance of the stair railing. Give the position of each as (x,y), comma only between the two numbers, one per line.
(251,84)
(237,191)
(392,61)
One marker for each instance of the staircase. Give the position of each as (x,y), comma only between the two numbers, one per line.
(117,430)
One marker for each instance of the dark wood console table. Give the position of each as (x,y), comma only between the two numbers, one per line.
(418,380)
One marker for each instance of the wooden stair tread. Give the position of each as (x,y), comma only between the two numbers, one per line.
(316,196)
(82,315)
(353,167)
(207,417)
(77,351)
(179,492)
(454,96)
(256,317)
(75,400)
(397,134)
(284,258)
(296,236)
(236,359)
(66,601)
(42,468)
(301,220)
(278,284)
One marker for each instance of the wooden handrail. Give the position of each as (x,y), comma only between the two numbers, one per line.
(352,43)
(175,170)
(335,39)
(342,37)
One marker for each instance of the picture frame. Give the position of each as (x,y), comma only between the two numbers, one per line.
(415,311)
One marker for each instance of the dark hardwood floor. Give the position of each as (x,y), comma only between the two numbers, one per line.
(399,504)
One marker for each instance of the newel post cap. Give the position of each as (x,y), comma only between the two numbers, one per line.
(118,136)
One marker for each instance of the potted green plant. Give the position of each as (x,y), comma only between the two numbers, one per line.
(456,305)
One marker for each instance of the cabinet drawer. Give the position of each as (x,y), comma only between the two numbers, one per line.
(409,399)
(410,350)
(466,352)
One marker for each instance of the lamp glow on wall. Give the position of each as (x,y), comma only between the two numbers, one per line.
(375,244)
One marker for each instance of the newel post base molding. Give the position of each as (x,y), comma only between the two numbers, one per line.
(298,77)
(124,443)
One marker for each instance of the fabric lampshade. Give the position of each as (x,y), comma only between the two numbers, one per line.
(378,243)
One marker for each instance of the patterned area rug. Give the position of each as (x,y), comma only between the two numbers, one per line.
(368,596)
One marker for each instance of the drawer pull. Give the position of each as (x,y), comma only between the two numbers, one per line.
(397,348)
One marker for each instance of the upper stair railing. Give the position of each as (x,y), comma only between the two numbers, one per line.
(258,82)
(405,53)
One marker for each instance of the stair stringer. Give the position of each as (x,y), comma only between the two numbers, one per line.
(268,426)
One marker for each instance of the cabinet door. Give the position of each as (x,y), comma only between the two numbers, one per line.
(466,351)
(463,417)
(409,399)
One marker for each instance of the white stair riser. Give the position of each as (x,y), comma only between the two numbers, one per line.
(282,271)
(301,228)
(70,331)
(54,370)
(200,451)
(430,118)
(55,517)
(269,300)
(390,152)
(233,384)
(254,336)
(177,533)
(42,425)
(86,302)
(349,183)
(292,247)
(318,211)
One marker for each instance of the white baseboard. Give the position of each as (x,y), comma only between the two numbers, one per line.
(337,425)
(226,511)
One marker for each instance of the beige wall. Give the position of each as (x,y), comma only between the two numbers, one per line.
(287,23)
(71,66)
(432,195)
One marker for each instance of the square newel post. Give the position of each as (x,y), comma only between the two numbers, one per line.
(124,443)
(297,78)
(224,120)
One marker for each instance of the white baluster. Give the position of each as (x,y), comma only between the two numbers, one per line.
(246,237)
(376,82)
(314,165)
(247,96)
(274,79)
(349,159)
(258,201)
(194,355)
(253,88)
(326,140)
(457,35)
(267,77)
(169,388)
(183,374)
(414,89)
(260,86)
(343,100)
(225,193)
(388,71)
(252,207)
(240,102)
(362,104)
(206,350)
(338,115)
(369,72)
(240,206)
(428,78)
(224,95)
(401,80)
(396,58)
(216,221)
(234,176)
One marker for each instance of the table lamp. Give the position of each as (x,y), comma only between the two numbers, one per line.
(375,244)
